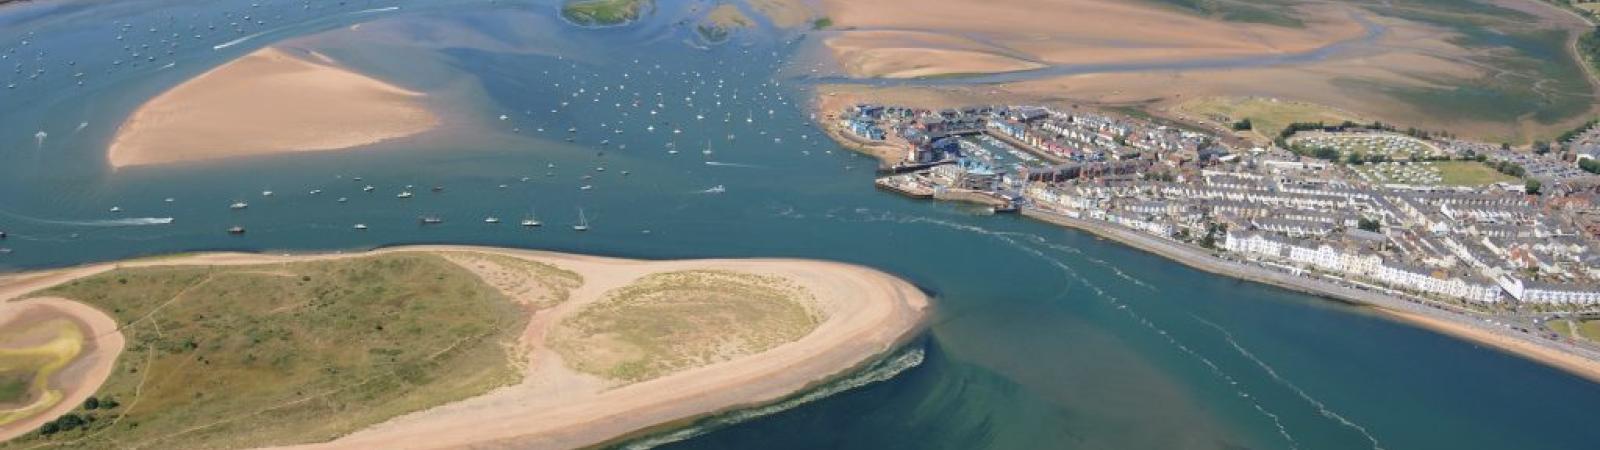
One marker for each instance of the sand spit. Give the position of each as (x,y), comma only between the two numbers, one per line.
(81,377)
(868,314)
(270,101)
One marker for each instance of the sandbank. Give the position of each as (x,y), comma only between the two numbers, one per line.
(868,314)
(270,101)
(1088,31)
(910,54)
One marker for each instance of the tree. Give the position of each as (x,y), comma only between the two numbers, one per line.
(1354,158)
(1368,224)
(1243,124)
(1532,186)
(1325,153)
(1590,165)
(91,404)
(1541,147)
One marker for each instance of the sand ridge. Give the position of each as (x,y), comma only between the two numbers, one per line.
(274,100)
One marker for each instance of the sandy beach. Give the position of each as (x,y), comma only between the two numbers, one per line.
(868,313)
(275,100)
(84,375)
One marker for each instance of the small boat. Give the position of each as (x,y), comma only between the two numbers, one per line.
(239,205)
(585,187)
(170,200)
(236,230)
(718,189)
(583,222)
(599,169)
(431,220)
(491,219)
(316,191)
(403,194)
(368,188)
(438,188)
(360,227)
(266,193)
(343,199)
(116,209)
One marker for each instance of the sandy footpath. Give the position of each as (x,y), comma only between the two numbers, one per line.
(869,313)
(84,375)
(270,101)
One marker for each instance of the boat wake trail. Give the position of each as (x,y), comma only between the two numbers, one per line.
(729,164)
(1321,408)
(1012,239)
(237,41)
(882,370)
(127,222)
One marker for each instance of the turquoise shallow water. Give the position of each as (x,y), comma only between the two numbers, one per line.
(1043,338)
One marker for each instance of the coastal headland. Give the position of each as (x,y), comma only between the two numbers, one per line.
(445,346)
(274,100)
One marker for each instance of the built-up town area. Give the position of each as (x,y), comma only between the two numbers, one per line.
(1468,226)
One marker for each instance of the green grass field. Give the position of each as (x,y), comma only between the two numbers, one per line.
(1268,116)
(603,12)
(1587,329)
(1469,173)
(664,323)
(232,357)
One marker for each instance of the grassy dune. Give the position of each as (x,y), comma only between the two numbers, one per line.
(667,322)
(244,356)
(603,12)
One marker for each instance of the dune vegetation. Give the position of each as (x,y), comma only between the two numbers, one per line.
(666,322)
(246,356)
(603,12)
(722,21)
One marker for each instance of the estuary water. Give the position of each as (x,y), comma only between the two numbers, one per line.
(1043,337)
